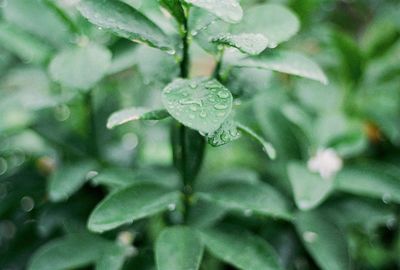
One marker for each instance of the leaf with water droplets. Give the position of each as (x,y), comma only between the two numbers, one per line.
(227,133)
(125,21)
(259,198)
(228,10)
(286,62)
(267,147)
(132,114)
(201,104)
(178,248)
(130,204)
(275,22)
(80,67)
(323,240)
(240,248)
(309,188)
(252,44)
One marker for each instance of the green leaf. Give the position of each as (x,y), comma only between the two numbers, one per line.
(133,114)
(285,62)
(201,104)
(309,188)
(252,44)
(259,198)
(275,22)
(175,8)
(67,179)
(365,180)
(34,17)
(228,10)
(112,258)
(23,45)
(122,177)
(267,147)
(240,249)
(125,21)
(80,67)
(323,240)
(64,254)
(227,133)
(130,204)
(178,248)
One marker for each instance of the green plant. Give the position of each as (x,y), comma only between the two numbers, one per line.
(233,166)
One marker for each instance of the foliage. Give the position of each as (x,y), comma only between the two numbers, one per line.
(199,134)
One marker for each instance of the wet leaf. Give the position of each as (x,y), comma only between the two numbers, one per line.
(125,21)
(201,104)
(227,133)
(252,44)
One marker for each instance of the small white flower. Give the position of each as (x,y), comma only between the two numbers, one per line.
(326,162)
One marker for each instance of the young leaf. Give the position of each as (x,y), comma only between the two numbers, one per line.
(275,22)
(252,44)
(323,240)
(309,188)
(286,62)
(175,8)
(257,198)
(22,44)
(267,147)
(366,181)
(201,104)
(130,204)
(125,21)
(228,10)
(178,248)
(132,114)
(228,132)
(81,67)
(63,254)
(67,179)
(240,249)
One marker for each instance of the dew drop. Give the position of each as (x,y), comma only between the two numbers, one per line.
(220,106)
(203,114)
(193,108)
(223,94)
(193,85)
(310,237)
(171,207)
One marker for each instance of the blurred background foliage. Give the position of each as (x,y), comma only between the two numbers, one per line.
(48,133)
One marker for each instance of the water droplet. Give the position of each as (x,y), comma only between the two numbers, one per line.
(203,114)
(386,198)
(193,108)
(90,175)
(171,207)
(310,237)
(220,106)
(223,94)
(3,166)
(248,212)
(171,51)
(193,85)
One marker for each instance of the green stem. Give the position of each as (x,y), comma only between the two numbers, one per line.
(217,70)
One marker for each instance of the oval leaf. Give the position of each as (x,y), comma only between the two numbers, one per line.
(275,22)
(228,10)
(200,104)
(323,240)
(125,21)
(257,198)
(252,44)
(132,114)
(240,249)
(227,133)
(309,188)
(285,62)
(81,67)
(130,204)
(178,248)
